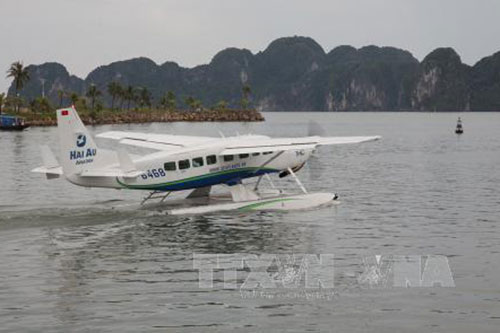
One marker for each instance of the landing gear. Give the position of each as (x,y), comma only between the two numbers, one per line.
(248,197)
(155,195)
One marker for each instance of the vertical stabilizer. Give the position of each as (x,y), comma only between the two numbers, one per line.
(78,149)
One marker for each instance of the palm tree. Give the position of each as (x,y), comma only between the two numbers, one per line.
(221,105)
(93,93)
(246,93)
(136,98)
(145,97)
(114,89)
(129,95)
(21,75)
(197,105)
(168,101)
(121,96)
(60,94)
(171,100)
(2,101)
(41,104)
(74,98)
(190,102)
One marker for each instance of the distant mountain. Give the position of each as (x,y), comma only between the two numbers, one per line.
(485,84)
(295,73)
(47,79)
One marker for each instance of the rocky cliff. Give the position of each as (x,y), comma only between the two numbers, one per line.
(295,73)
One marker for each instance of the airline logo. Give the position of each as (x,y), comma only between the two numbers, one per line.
(81,140)
(82,156)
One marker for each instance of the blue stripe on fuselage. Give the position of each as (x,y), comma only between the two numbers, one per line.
(215,179)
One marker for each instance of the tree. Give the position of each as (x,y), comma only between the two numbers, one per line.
(93,93)
(145,97)
(190,102)
(122,96)
(171,102)
(128,95)
(114,89)
(2,101)
(197,105)
(168,101)
(246,91)
(136,98)
(41,104)
(20,75)
(74,98)
(194,104)
(119,95)
(221,105)
(60,95)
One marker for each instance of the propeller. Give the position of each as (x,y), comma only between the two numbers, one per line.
(315,166)
(315,129)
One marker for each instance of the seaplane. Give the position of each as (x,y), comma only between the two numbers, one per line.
(189,163)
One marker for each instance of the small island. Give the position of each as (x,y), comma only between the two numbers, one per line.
(124,105)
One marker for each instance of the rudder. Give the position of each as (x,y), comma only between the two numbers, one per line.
(78,149)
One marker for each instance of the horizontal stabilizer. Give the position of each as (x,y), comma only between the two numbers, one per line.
(48,158)
(51,173)
(51,167)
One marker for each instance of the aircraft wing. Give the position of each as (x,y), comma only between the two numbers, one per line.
(244,144)
(281,144)
(155,141)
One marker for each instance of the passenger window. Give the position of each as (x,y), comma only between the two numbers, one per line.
(197,162)
(228,158)
(169,166)
(267,152)
(211,159)
(255,154)
(184,164)
(244,155)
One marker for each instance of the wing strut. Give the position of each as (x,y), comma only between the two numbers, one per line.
(269,161)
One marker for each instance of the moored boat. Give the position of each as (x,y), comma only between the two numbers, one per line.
(12,123)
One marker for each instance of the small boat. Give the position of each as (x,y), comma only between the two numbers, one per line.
(12,123)
(459,129)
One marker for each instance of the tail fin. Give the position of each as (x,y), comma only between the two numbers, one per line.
(78,149)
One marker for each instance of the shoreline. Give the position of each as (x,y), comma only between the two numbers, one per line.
(154,116)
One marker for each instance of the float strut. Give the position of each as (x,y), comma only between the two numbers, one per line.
(153,195)
(297,180)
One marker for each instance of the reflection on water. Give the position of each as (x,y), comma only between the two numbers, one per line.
(78,260)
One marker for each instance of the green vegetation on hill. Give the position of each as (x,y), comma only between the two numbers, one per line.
(290,74)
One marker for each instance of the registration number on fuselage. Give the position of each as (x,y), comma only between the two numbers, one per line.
(153,173)
(160,172)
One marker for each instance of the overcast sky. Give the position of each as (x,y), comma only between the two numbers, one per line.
(82,34)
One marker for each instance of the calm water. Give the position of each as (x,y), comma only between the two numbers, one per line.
(74,259)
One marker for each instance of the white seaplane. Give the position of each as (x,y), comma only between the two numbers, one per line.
(189,163)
